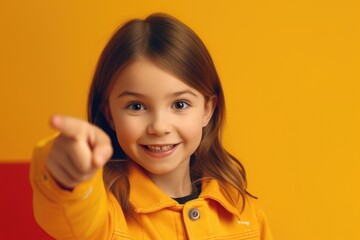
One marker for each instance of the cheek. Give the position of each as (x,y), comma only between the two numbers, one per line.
(127,129)
(192,127)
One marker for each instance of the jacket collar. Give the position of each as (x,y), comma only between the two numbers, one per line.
(146,197)
(211,190)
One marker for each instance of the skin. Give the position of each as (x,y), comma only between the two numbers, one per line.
(78,152)
(158,120)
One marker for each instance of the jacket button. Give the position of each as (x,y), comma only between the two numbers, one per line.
(194,214)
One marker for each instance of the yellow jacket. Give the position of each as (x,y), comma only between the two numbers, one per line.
(90,212)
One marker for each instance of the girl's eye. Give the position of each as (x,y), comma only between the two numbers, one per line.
(136,107)
(181,105)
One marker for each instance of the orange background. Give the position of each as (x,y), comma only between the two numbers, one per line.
(291,75)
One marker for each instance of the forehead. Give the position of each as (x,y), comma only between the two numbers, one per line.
(145,76)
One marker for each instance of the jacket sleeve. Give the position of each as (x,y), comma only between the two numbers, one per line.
(265,233)
(80,214)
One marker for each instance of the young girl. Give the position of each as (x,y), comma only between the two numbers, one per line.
(150,164)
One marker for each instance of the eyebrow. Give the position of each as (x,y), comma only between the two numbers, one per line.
(175,94)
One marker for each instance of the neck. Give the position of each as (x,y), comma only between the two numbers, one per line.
(175,184)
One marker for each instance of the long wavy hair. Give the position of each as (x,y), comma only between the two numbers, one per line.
(174,46)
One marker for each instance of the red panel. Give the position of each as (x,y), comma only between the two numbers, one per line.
(16,215)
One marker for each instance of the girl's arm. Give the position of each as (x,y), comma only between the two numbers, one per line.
(67,206)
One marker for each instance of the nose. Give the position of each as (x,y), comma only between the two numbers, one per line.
(159,124)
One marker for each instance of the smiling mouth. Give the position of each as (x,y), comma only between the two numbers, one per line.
(159,148)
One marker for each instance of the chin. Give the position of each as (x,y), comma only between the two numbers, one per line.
(161,170)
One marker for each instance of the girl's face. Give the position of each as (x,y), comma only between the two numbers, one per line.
(158,118)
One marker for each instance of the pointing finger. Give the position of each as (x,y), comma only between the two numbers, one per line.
(70,127)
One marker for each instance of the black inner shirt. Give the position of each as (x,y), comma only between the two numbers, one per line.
(195,194)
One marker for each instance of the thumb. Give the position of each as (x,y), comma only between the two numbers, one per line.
(102,152)
(101,146)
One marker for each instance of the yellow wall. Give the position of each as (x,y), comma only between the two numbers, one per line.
(290,71)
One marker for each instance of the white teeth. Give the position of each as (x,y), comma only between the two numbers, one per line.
(160,148)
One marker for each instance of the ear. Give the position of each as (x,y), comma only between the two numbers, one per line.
(105,108)
(209,108)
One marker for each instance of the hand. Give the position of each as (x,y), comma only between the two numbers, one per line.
(78,152)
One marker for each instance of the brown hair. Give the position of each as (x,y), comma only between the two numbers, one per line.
(176,48)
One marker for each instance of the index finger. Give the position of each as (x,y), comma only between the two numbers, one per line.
(70,126)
